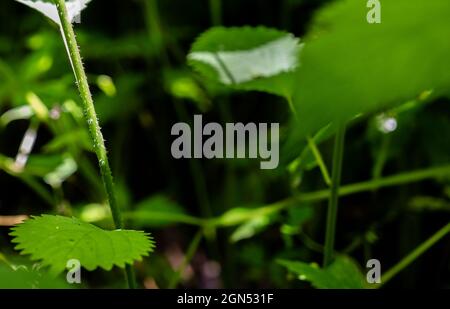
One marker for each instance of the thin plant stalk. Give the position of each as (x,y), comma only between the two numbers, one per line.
(187,258)
(323,168)
(92,121)
(334,196)
(416,253)
(313,147)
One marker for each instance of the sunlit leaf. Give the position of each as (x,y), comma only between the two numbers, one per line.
(48,8)
(54,240)
(250,228)
(17,113)
(247,58)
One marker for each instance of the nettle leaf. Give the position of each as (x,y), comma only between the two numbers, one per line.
(247,58)
(48,8)
(56,240)
(350,66)
(343,273)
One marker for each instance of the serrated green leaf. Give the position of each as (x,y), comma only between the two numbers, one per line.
(247,58)
(343,273)
(48,8)
(55,240)
(350,66)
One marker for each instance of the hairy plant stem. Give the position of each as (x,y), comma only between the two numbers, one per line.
(91,119)
(416,253)
(334,195)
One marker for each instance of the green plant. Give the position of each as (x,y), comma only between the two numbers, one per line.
(380,89)
(344,62)
(69,237)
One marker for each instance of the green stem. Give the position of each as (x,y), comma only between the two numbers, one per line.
(316,196)
(416,253)
(390,181)
(187,258)
(154,29)
(91,118)
(334,196)
(323,168)
(215,7)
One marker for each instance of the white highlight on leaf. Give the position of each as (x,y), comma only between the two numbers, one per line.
(74,8)
(273,58)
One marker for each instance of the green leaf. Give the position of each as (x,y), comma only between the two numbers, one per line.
(17,113)
(250,228)
(79,137)
(350,66)
(48,8)
(159,211)
(66,169)
(247,58)
(237,216)
(343,273)
(24,278)
(56,240)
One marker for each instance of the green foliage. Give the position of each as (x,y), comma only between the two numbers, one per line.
(343,69)
(343,273)
(247,58)
(54,240)
(351,67)
(25,278)
(250,228)
(159,211)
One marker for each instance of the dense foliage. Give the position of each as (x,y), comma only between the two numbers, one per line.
(364,124)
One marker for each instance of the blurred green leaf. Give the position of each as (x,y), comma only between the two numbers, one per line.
(17,113)
(247,58)
(250,228)
(182,85)
(299,215)
(350,66)
(106,84)
(56,239)
(63,171)
(78,137)
(159,211)
(24,278)
(429,203)
(343,273)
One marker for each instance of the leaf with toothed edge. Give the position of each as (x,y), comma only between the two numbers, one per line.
(48,8)
(55,239)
